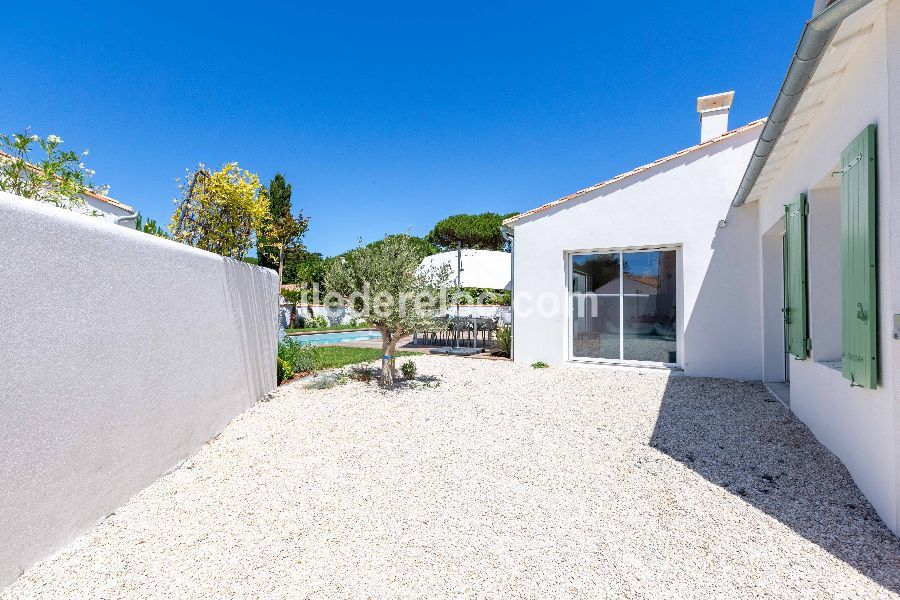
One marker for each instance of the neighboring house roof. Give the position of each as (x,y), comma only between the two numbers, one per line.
(90,193)
(650,280)
(108,200)
(633,172)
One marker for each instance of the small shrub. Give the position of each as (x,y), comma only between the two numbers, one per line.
(540,365)
(326,381)
(408,369)
(316,322)
(504,341)
(283,370)
(304,360)
(362,374)
(301,358)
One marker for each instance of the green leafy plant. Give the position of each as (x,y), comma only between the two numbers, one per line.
(58,177)
(474,295)
(419,246)
(504,341)
(316,322)
(283,370)
(540,365)
(150,226)
(303,267)
(301,358)
(409,370)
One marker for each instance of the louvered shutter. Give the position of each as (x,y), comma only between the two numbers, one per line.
(859,349)
(795,313)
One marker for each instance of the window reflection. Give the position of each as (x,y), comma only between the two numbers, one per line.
(595,283)
(649,306)
(624,306)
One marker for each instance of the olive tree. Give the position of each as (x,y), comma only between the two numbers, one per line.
(384,283)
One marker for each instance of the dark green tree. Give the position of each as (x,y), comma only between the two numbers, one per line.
(479,232)
(150,226)
(301,267)
(279,208)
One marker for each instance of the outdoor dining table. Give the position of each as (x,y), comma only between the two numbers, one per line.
(464,323)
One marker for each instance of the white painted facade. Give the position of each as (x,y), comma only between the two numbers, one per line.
(160,346)
(730,279)
(861,426)
(678,205)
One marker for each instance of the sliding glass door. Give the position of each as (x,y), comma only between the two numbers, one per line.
(623,306)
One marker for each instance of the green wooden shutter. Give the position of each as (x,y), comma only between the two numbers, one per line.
(795,313)
(859,349)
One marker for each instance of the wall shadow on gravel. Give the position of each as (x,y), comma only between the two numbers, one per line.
(737,436)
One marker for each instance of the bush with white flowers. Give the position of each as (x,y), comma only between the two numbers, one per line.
(35,167)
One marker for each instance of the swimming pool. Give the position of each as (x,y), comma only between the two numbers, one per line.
(338,337)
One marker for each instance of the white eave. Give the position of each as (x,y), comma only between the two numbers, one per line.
(836,60)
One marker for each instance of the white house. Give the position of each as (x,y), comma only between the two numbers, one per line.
(640,270)
(779,234)
(100,205)
(109,208)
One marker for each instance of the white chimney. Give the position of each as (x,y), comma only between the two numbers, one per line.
(714,114)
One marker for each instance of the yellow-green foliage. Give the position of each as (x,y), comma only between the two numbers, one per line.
(284,370)
(221,212)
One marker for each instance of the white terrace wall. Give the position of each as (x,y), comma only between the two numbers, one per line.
(161,346)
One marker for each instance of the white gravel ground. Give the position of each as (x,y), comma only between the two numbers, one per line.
(501,481)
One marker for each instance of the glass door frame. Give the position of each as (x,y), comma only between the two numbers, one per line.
(570,319)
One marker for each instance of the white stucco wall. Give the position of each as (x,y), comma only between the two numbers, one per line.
(678,203)
(159,347)
(481,268)
(861,426)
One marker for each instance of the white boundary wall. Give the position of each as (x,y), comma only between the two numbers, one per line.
(160,347)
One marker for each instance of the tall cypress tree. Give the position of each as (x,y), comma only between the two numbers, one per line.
(279,206)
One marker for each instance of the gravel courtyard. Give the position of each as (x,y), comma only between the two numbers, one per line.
(497,480)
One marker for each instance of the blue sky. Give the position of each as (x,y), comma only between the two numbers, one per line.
(387,116)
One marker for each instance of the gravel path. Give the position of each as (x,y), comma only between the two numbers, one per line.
(500,481)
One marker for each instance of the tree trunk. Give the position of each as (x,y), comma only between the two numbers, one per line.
(280,267)
(388,349)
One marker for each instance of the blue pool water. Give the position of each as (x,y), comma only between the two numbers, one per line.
(319,339)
